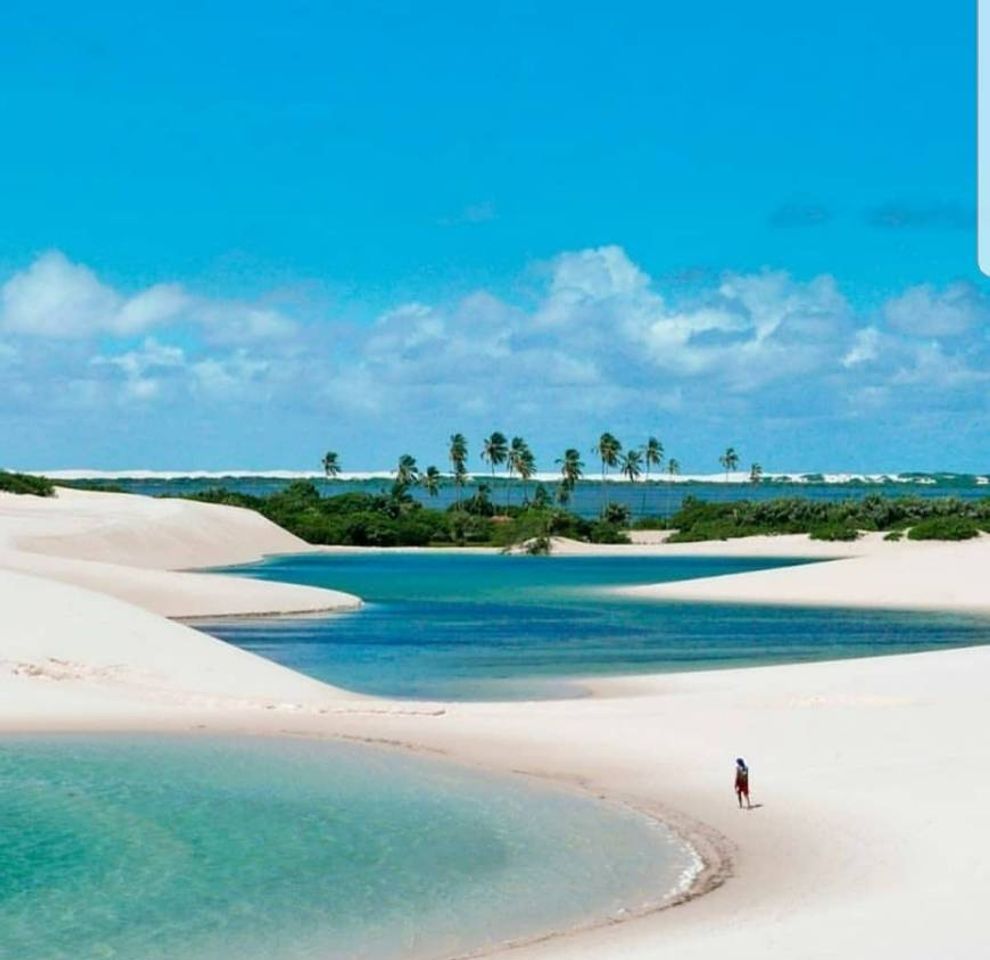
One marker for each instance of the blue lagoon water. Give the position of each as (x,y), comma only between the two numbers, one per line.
(455,625)
(158,848)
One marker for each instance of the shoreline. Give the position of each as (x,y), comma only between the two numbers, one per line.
(836,747)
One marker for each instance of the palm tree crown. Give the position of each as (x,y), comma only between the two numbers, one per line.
(571,470)
(729,461)
(652,454)
(608,449)
(406,473)
(458,454)
(331,464)
(430,481)
(494,449)
(630,463)
(522,461)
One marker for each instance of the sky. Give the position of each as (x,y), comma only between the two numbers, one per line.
(238,235)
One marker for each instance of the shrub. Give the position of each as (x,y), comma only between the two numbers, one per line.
(26,483)
(894,535)
(616,514)
(944,528)
(650,523)
(834,531)
(602,532)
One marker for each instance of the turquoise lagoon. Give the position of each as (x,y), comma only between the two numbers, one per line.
(462,625)
(169,848)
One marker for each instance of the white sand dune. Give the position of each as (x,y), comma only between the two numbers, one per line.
(873,776)
(898,576)
(132,547)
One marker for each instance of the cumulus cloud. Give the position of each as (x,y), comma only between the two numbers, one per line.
(927,312)
(865,347)
(58,299)
(600,339)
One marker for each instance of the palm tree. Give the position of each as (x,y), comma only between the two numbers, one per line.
(494,450)
(755,473)
(729,461)
(514,459)
(527,469)
(430,481)
(652,457)
(571,470)
(630,463)
(331,464)
(673,469)
(458,453)
(608,449)
(407,473)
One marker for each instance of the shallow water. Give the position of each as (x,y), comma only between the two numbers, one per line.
(168,848)
(470,626)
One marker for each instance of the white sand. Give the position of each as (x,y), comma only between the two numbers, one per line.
(901,576)
(873,775)
(131,548)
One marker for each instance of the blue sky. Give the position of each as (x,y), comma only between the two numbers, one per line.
(233,235)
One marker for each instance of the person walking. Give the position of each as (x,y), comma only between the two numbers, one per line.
(742,783)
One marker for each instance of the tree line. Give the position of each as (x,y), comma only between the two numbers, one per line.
(519,461)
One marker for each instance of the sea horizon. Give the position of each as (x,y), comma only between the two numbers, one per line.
(921,477)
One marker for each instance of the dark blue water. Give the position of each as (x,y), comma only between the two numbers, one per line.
(484,626)
(643,499)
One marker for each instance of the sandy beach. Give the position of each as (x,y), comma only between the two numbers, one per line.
(870,776)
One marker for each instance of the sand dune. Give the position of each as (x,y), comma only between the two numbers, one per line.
(904,576)
(871,775)
(131,547)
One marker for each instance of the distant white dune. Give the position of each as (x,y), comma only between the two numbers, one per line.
(549,477)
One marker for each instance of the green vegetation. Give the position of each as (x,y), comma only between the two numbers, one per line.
(842,532)
(26,483)
(947,528)
(396,519)
(944,518)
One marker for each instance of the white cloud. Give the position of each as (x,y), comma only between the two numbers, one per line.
(58,299)
(928,312)
(601,339)
(865,347)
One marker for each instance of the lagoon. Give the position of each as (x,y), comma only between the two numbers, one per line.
(465,625)
(202,848)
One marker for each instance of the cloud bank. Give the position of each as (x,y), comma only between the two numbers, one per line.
(598,343)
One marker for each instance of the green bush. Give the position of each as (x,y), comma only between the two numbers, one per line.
(616,514)
(894,535)
(702,520)
(603,532)
(26,483)
(835,532)
(945,528)
(650,523)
